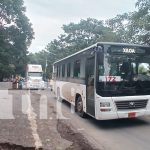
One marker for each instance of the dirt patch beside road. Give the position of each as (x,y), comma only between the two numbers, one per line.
(9,146)
(29,125)
(67,132)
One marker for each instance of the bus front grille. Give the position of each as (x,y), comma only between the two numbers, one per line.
(129,105)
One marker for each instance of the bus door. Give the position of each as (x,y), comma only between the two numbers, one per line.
(90,70)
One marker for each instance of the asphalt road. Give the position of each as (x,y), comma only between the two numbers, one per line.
(28,121)
(41,126)
(125,134)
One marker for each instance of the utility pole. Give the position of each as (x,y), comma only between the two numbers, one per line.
(45,65)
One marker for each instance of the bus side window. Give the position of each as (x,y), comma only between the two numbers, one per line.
(57,71)
(63,70)
(77,68)
(68,69)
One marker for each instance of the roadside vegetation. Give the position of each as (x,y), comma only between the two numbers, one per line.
(16,34)
(131,27)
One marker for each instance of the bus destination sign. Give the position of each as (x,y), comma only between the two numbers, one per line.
(127,50)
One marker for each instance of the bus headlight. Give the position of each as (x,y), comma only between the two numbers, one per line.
(104,104)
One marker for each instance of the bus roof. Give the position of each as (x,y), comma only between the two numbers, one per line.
(102,43)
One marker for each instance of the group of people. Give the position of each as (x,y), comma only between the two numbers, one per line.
(18,82)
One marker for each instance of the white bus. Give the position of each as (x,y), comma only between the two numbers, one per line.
(106,80)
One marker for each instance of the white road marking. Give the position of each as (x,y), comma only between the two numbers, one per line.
(32,119)
(6,105)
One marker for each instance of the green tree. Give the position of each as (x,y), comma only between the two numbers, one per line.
(141,21)
(133,27)
(79,36)
(43,58)
(16,34)
(76,37)
(85,33)
(121,26)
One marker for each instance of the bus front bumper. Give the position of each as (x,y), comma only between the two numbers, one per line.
(121,114)
(111,112)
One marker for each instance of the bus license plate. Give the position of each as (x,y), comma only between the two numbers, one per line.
(131,115)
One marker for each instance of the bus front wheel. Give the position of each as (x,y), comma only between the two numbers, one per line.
(79,107)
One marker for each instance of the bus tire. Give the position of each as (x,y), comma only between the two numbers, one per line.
(79,107)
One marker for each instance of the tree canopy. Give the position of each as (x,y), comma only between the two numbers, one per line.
(130,27)
(16,34)
(76,37)
(133,27)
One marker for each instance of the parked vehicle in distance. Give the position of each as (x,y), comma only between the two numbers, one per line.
(34,77)
(106,80)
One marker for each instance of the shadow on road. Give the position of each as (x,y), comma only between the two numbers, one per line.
(113,124)
(119,123)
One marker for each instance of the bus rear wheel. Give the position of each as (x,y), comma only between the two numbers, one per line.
(79,107)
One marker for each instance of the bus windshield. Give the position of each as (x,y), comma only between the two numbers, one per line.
(124,72)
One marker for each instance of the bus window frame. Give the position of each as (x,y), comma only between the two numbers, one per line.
(75,62)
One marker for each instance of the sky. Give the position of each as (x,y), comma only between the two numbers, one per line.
(48,16)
